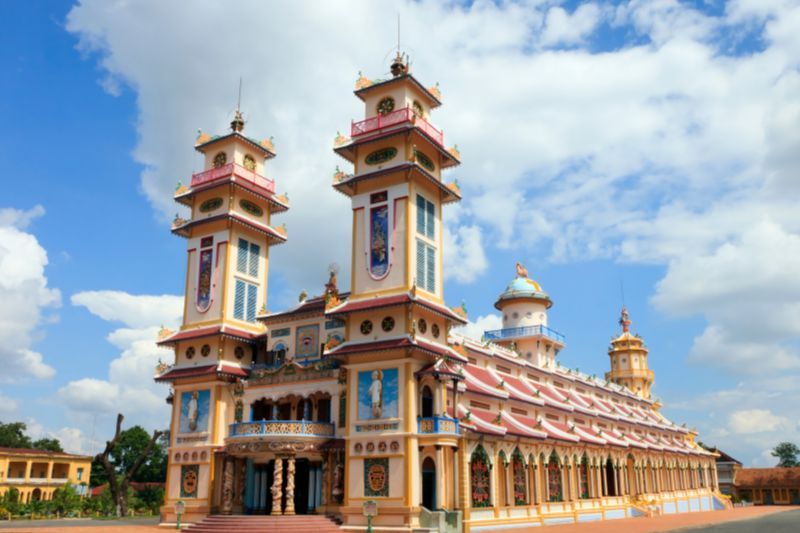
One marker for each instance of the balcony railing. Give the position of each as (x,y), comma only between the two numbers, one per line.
(289,428)
(239,171)
(398,116)
(438,424)
(527,331)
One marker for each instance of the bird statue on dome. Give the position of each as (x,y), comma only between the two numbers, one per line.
(522,272)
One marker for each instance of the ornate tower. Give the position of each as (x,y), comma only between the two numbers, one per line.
(396,352)
(524,305)
(229,234)
(629,360)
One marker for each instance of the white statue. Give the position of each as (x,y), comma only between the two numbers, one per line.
(375,392)
(192,411)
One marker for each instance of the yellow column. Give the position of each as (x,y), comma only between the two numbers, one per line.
(440,476)
(28,465)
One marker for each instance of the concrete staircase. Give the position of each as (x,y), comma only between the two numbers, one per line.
(270,524)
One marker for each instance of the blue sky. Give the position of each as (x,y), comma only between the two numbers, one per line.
(647,144)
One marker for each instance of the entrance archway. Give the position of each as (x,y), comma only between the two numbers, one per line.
(36,495)
(611,478)
(429,484)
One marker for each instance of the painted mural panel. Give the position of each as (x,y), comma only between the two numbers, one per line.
(194,411)
(479,478)
(190,475)
(377,394)
(204,280)
(379,241)
(376,477)
(307,341)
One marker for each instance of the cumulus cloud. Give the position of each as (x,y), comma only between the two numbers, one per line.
(129,388)
(474,329)
(755,421)
(464,256)
(565,28)
(25,295)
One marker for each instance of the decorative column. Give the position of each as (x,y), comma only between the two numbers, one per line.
(604,481)
(277,486)
(227,485)
(716,481)
(289,510)
(440,474)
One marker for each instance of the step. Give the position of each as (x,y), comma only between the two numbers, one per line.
(259,523)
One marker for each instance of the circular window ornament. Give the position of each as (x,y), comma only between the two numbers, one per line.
(366,327)
(422,325)
(238,352)
(205,350)
(424,160)
(212,204)
(220,159)
(386,105)
(249,163)
(418,109)
(515,315)
(435,331)
(381,156)
(251,208)
(387,324)
(189,352)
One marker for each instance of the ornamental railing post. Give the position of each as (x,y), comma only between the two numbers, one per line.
(263,426)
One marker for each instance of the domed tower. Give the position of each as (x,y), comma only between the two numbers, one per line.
(629,360)
(524,305)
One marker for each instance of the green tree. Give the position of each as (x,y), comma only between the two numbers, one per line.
(12,435)
(787,453)
(49,444)
(66,500)
(122,459)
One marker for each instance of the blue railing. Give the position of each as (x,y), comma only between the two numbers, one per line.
(437,424)
(527,331)
(282,427)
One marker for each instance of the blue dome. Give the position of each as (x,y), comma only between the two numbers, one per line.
(526,288)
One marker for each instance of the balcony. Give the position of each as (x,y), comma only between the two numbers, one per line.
(437,425)
(394,118)
(232,169)
(281,428)
(528,331)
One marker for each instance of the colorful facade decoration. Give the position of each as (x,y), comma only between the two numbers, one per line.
(397,406)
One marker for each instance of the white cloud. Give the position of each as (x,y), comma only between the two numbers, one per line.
(8,405)
(755,421)
(129,388)
(474,329)
(25,296)
(464,257)
(564,28)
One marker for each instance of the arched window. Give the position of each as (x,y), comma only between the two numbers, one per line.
(583,474)
(429,484)
(427,402)
(479,478)
(520,478)
(554,479)
(277,355)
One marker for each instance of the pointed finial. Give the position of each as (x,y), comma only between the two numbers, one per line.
(237,124)
(625,321)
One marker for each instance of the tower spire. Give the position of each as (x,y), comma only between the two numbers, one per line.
(625,320)
(237,124)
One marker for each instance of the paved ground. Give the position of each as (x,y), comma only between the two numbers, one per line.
(767,519)
(744,519)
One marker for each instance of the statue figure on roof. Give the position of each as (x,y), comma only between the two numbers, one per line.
(625,321)
(522,272)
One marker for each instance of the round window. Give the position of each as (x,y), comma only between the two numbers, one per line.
(387,324)
(386,105)
(220,159)
(238,352)
(435,331)
(205,350)
(422,325)
(249,163)
(418,110)
(515,315)
(366,327)
(189,352)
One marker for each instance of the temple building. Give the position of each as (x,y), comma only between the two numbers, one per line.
(370,401)
(37,474)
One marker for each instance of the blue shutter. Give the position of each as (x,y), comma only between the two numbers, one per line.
(255,250)
(241,257)
(420,215)
(420,282)
(252,290)
(430,219)
(430,278)
(238,300)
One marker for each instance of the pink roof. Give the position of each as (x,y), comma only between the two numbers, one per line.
(200,371)
(397,299)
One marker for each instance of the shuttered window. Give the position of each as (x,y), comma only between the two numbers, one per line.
(244,301)
(426,266)
(247,258)
(425,217)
